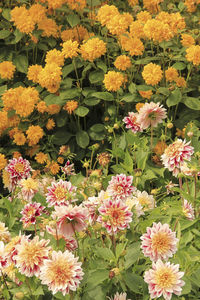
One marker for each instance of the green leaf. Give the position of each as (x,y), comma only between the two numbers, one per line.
(81,111)
(3,88)
(130,97)
(141,159)
(82,139)
(187,287)
(164,91)
(105,253)
(70,94)
(4,34)
(193,103)
(91,101)
(179,66)
(132,88)
(97,136)
(73,19)
(97,127)
(6,14)
(133,253)
(18,36)
(61,137)
(97,277)
(174,98)
(102,66)
(103,96)
(53,99)
(134,282)
(96,76)
(21,63)
(119,249)
(67,69)
(39,291)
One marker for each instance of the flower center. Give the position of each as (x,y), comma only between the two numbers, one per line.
(116,216)
(60,193)
(60,272)
(19,168)
(143,200)
(165,278)
(161,242)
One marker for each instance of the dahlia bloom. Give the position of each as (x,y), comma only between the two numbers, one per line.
(31,255)
(4,233)
(61,192)
(3,259)
(10,248)
(18,169)
(152,74)
(175,155)
(68,169)
(70,219)
(145,200)
(92,205)
(159,242)
(7,70)
(121,296)
(120,187)
(113,81)
(132,123)
(132,202)
(30,212)
(193,54)
(122,62)
(164,279)
(114,216)
(29,187)
(151,114)
(62,272)
(188,210)
(93,49)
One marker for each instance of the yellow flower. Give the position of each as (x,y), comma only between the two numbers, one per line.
(131,44)
(33,72)
(132,2)
(160,147)
(41,157)
(3,121)
(19,138)
(4,233)
(34,134)
(50,77)
(3,161)
(137,29)
(193,54)
(60,160)
(152,5)
(187,40)
(171,74)
(67,34)
(7,70)
(76,4)
(122,62)
(16,154)
(49,27)
(118,24)
(152,74)
(70,106)
(50,124)
(92,49)
(53,109)
(143,16)
(106,13)
(70,49)
(146,94)
(53,4)
(55,56)
(157,31)
(37,12)
(54,167)
(22,19)
(180,82)
(42,107)
(191,5)
(138,106)
(113,81)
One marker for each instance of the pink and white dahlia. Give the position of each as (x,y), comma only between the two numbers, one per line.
(61,192)
(114,216)
(176,154)
(3,259)
(29,187)
(133,203)
(30,212)
(62,272)
(70,219)
(151,114)
(188,210)
(92,205)
(31,255)
(120,187)
(159,242)
(18,168)
(170,187)
(4,233)
(132,122)
(68,169)
(10,248)
(118,296)
(144,199)
(164,279)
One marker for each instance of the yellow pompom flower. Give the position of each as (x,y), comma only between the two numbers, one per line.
(54,167)
(70,106)
(106,13)
(152,74)
(180,82)
(3,121)
(187,40)
(53,109)
(171,74)
(26,102)
(54,4)
(41,157)
(92,49)
(146,94)
(50,77)
(19,138)
(191,5)
(41,107)
(131,44)
(67,34)
(49,27)
(22,19)
(55,56)
(122,62)
(3,161)
(143,16)
(137,29)
(113,81)
(77,5)
(132,2)
(7,70)
(50,124)
(138,106)
(37,12)
(157,31)
(60,160)
(34,134)
(118,24)
(70,49)
(33,72)
(193,54)
(152,5)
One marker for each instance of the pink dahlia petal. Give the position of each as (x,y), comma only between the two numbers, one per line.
(151,114)
(188,210)
(132,122)
(120,187)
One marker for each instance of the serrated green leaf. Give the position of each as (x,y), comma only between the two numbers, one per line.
(105,253)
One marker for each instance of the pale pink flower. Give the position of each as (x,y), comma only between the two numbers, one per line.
(62,272)
(188,210)
(151,114)
(114,216)
(61,192)
(132,122)
(118,296)
(170,186)
(68,169)
(176,154)
(145,200)
(133,203)
(71,244)
(92,205)
(29,187)
(18,168)
(31,255)
(70,219)
(164,279)
(10,248)
(3,259)
(4,233)
(120,187)
(44,183)
(159,242)
(30,212)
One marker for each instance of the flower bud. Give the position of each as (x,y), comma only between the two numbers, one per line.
(170,125)
(190,134)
